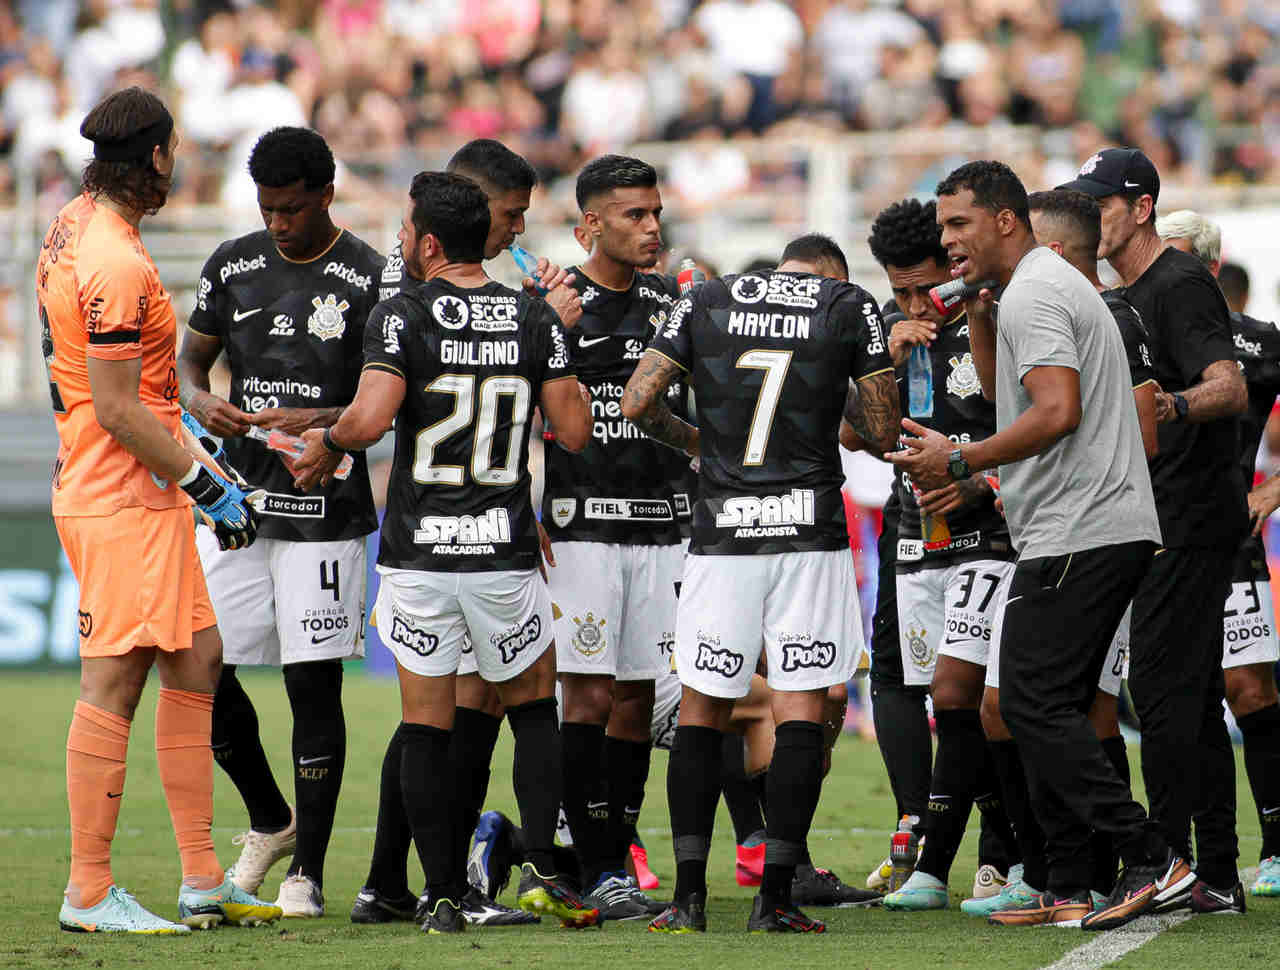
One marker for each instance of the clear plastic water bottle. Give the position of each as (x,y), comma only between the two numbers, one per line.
(528,264)
(904,848)
(920,382)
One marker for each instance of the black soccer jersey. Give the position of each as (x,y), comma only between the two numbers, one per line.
(623,486)
(474,362)
(1134,334)
(961,413)
(293,333)
(771,356)
(1258,353)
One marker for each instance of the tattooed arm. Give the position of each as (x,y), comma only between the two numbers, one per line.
(644,404)
(871,415)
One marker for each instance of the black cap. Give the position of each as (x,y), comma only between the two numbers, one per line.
(1117,171)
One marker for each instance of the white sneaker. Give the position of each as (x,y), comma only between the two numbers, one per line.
(300,896)
(261,851)
(987,882)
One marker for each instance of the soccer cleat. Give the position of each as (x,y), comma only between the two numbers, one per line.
(749,868)
(652,906)
(878,878)
(920,892)
(1268,881)
(689,917)
(492,854)
(118,912)
(1218,902)
(617,897)
(1140,888)
(203,909)
(1014,894)
(822,887)
(645,878)
(987,882)
(299,896)
(549,895)
(1046,909)
(786,918)
(373,907)
(443,917)
(481,911)
(261,851)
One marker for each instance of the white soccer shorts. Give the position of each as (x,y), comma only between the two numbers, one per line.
(615,606)
(428,619)
(948,610)
(1249,625)
(801,608)
(285,602)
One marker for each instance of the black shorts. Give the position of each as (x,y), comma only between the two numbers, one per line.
(1251,562)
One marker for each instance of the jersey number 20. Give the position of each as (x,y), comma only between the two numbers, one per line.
(483,469)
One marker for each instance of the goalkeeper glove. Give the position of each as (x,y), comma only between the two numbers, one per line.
(214,447)
(223,507)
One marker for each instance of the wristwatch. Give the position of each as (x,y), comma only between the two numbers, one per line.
(957,466)
(1180,407)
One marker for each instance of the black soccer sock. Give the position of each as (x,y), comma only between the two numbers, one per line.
(237,748)
(586,805)
(956,769)
(319,755)
(1106,857)
(1261,731)
(537,778)
(430,806)
(693,790)
(795,782)
(902,731)
(1017,803)
(627,771)
(739,791)
(470,750)
(392,837)
(997,844)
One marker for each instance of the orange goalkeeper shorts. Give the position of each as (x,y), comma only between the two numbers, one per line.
(141,583)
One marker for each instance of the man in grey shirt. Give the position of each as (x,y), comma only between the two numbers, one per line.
(1081,514)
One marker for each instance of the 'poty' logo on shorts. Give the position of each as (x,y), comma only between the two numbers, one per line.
(720,661)
(419,641)
(820,653)
(509,646)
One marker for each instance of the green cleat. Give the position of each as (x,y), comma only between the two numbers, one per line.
(203,909)
(548,895)
(1268,881)
(689,917)
(1014,894)
(920,892)
(118,912)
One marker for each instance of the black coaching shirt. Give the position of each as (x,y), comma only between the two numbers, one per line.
(293,333)
(1258,354)
(770,357)
(961,413)
(623,487)
(1196,476)
(474,362)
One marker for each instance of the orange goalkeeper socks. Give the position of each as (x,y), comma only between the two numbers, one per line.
(97,745)
(183,723)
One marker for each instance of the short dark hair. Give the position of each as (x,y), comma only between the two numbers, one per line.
(455,210)
(813,247)
(609,172)
(1234,280)
(287,155)
(907,233)
(1075,208)
(493,165)
(994,186)
(114,121)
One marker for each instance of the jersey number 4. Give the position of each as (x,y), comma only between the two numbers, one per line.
(483,469)
(775,364)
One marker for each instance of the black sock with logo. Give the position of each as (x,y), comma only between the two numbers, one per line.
(537,778)
(956,767)
(391,839)
(1261,731)
(237,748)
(319,755)
(627,771)
(586,803)
(693,791)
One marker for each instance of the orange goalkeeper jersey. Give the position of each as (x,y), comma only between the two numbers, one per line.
(99,295)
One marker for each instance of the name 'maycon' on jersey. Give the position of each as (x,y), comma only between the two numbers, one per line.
(474,362)
(770,357)
(293,333)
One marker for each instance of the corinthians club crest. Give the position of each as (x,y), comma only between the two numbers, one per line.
(963,379)
(588,639)
(327,322)
(920,649)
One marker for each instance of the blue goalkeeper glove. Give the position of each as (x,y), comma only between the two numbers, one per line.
(214,447)
(224,508)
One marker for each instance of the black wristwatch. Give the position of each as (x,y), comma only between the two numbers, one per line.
(957,466)
(1180,407)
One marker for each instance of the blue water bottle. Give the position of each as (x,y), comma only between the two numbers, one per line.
(528,264)
(920,382)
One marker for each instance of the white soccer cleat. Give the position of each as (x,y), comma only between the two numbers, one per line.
(988,882)
(261,851)
(118,912)
(300,897)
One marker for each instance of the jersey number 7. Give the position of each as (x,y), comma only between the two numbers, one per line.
(775,364)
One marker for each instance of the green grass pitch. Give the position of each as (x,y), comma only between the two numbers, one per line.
(851,835)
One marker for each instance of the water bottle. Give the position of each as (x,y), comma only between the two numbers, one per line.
(920,382)
(528,264)
(689,276)
(904,848)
